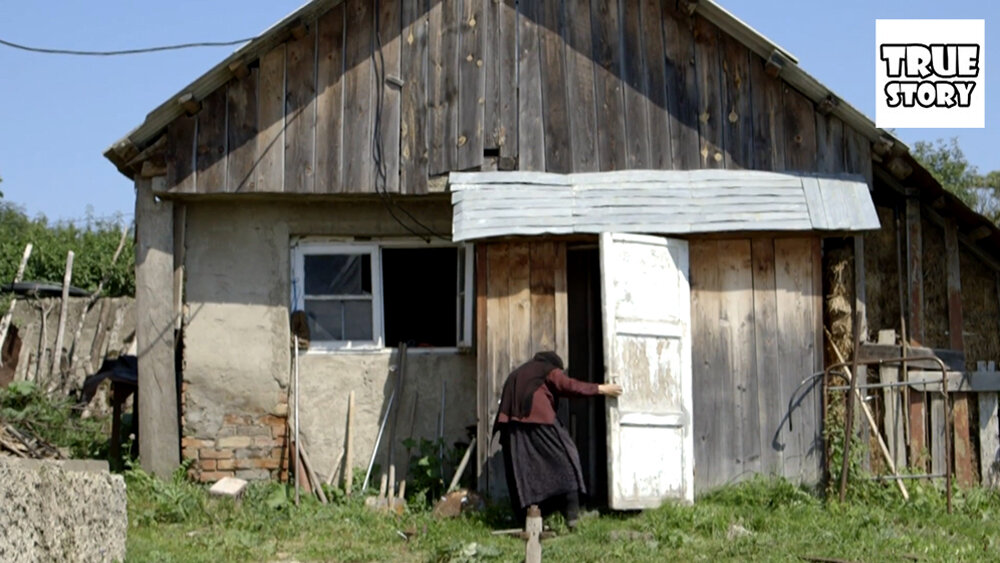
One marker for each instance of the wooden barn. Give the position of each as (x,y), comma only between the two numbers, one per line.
(651,188)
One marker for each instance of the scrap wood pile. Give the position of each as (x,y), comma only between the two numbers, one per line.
(23,442)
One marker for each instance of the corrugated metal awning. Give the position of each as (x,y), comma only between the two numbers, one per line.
(495,204)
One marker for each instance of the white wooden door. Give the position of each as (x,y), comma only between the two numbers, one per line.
(646,301)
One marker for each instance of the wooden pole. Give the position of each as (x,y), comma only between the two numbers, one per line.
(295,410)
(5,322)
(963,441)
(461,466)
(42,340)
(63,312)
(74,345)
(314,481)
(533,531)
(349,449)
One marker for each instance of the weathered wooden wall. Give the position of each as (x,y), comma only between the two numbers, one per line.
(757,334)
(521,287)
(561,86)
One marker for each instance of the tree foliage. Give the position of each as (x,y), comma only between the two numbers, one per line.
(946,161)
(93,245)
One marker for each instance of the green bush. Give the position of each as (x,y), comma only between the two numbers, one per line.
(54,419)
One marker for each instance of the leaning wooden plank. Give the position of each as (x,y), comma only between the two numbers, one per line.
(359,97)
(57,351)
(580,87)
(330,101)
(211,150)
(270,172)
(241,132)
(75,344)
(607,57)
(300,113)
(5,322)
(530,128)
(389,31)
(471,117)
(634,84)
(413,115)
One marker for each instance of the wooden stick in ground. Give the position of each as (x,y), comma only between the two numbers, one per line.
(871,419)
(314,481)
(533,530)
(461,466)
(349,447)
(74,345)
(63,312)
(5,322)
(43,339)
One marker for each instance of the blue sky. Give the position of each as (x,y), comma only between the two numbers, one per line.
(59,113)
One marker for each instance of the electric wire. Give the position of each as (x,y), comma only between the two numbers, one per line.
(138,51)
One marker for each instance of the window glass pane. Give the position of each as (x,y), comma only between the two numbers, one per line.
(358,320)
(325,319)
(338,274)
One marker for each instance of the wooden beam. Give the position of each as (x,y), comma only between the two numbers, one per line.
(915,293)
(952,359)
(980,232)
(882,146)
(240,69)
(191,105)
(899,168)
(860,298)
(827,105)
(963,442)
(774,64)
(960,382)
(159,438)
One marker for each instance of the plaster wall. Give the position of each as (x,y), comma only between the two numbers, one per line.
(237,357)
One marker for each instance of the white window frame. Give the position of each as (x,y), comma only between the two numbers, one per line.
(466,273)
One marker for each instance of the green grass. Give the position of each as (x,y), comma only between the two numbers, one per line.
(760,520)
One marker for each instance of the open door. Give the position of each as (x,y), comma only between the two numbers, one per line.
(646,302)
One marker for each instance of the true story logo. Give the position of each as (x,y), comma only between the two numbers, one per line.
(930,73)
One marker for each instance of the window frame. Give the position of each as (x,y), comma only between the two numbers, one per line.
(464,289)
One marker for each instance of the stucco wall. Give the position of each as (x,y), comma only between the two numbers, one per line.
(237,358)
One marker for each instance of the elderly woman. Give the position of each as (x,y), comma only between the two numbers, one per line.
(541,461)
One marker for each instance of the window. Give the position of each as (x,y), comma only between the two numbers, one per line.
(370,295)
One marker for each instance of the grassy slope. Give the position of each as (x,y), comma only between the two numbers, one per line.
(175,522)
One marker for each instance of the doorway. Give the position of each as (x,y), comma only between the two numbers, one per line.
(585,419)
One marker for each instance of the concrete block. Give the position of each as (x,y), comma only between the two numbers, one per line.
(229,487)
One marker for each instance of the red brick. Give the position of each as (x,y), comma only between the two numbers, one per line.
(245,463)
(190,453)
(234,419)
(223,464)
(207,464)
(210,453)
(211,476)
(267,463)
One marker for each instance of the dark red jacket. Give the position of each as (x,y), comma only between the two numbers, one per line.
(543,404)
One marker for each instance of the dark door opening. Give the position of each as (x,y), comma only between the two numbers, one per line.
(585,418)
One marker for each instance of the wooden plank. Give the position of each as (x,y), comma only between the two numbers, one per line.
(768,118)
(736,289)
(660,151)
(211,144)
(915,293)
(893,415)
(737,123)
(300,113)
(581,99)
(159,441)
(562,306)
(543,295)
(330,101)
(960,382)
(358,164)
(710,116)
(180,155)
(491,66)
(797,341)
(771,403)
(830,154)
(530,128)
(681,79)
(241,130)
(952,359)
(989,439)
(713,440)
(960,401)
(413,123)
(498,346)
(442,86)
(608,93)
(555,119)
(937,430)
(635,87)
(484,376)
(270,175)
(800,131)
(519,280)
(390,29)
(858,154)
(507,135)
(818,360)
(471,85)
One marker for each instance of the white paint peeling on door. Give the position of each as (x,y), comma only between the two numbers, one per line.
(646,299)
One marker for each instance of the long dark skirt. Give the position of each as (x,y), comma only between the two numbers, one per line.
(541,462)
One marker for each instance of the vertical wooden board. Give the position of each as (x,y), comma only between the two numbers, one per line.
(498,346)
(580,87)
(713,439)
(937,430)
(989,441)
(800,131)
(710,116)
(555,110)
(830,157)
(300,113)
(770,400)
(471,85)
(736,290)
(330,101)
(858,154)
(634,84)
(413,117)
(768,118)
(794,288)
(660,152)
(960,401)
(389,128)
(561,301)
(608,93)
(180,155)
(519,280)
(530,129)
(543,295)
(818,460)
(359,98)
(507,55)
(682,88)
(211,144)
(737,104)
(483,375)
(241,130)
(915,299)
(442,85)
(892,415)
(271,114)
(491,66)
